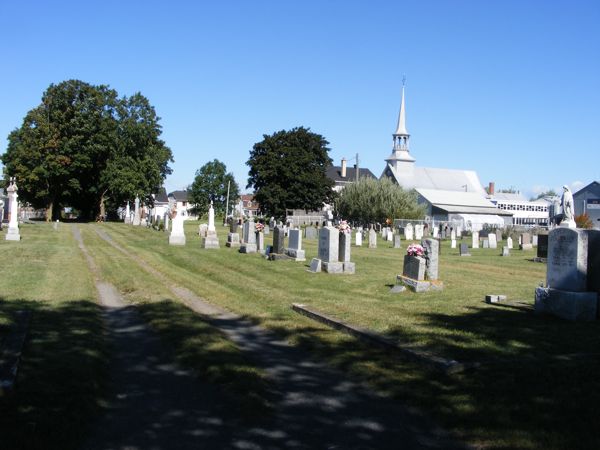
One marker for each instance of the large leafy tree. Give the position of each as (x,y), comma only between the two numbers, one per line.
(83,145)
(211,183)
(371,200)
(288,171)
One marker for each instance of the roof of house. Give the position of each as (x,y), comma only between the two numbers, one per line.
(161,196)
(335,173)
(181,196)
(509,196)
(594,186)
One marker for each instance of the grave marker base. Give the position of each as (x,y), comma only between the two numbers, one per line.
(575,306)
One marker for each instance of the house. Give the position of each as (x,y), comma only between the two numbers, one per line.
(161,204)
(343,175)
(179,200)
(449,195)
(248,205)
(587,201)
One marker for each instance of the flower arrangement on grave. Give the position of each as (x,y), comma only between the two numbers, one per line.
(259,227)
(344,227)
(415,250)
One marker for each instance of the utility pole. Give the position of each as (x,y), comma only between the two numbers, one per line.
(226,203)
(357,167)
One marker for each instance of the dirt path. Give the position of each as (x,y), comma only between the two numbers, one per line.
(316,406)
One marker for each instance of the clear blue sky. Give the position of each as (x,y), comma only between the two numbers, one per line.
(510,89)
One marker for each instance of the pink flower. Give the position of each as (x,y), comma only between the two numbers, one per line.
(415,250)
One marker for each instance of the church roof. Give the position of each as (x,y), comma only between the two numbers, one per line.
(440,179)
(460,202)
(335,173)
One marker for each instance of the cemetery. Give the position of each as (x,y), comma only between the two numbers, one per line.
(457,323)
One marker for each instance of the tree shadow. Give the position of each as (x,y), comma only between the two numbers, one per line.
(61,375)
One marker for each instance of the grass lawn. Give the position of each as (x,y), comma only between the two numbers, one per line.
(527,394)
(63,367)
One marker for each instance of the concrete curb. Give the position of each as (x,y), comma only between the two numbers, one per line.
(448,366)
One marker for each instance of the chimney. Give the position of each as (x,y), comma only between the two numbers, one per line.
(491,188)
(343,167)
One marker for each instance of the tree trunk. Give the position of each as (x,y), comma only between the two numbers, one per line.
(49,208)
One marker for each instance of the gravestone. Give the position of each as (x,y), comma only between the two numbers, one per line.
(505,251)
(432,253)
(464,250)
(384,232)
(568,293)
(418,232)
(267,230)
(390,235)
(358,238)
(310,232)
(13,224)
(278,240)
(509,242)
(435,232)
(260,241)
(453,234)
(55,224)
(414,267)
(498,235)
(486,243)
(397,241)
(542,247)
(127,213)
(534,240)
(475,239)
(137,218)
(344,252)
(329,242)
(315,265)
(294,249)
(492,240)
(453,243)
(210,239)
(167,222)
(372,238)
(408,232)
(202,228)
(177,236)
(249,245)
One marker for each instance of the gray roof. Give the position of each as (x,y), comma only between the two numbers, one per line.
(335,173)
(433,178)
(181,196)
(460,202)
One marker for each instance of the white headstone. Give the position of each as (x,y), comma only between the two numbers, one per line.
(475,236)
(13,224)
(211,218)
(408,232)
(509,242)
(453,243)
(435,232)
(492,240)
(372,238)
(177,236)
(127,213)
(329,244)
(137,215)
(358,239)
(418,232)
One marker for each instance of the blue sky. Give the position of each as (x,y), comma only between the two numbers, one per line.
(510,89)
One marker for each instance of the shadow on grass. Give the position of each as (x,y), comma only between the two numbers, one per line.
(211,355)
(61,377)
(523,397)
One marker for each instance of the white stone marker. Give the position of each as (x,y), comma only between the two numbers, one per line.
(408,232)
(418,232)
(509,243)
(127,213)
(210,240)
(475,243)
(13,223)
(137,218)
(358,239)
(177,236)
(492,240)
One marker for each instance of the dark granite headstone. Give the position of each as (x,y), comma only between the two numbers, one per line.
(414,267)
(464,250)
(278,240)
(542,248)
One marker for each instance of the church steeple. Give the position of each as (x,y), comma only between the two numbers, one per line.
(401,159)
(401,136)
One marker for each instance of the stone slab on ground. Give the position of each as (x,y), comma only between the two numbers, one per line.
(437,362)
(420,286)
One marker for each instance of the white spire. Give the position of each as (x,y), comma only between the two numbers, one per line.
(401,128)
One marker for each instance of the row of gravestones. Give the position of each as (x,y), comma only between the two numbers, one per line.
(334,251)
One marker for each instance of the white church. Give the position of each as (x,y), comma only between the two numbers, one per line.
(450,195)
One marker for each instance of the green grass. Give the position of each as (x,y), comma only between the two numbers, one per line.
(191,340)
(521,397)
(63,367)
